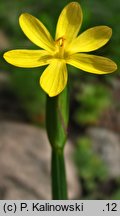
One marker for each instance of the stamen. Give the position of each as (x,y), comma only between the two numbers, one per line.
(60,41)
(60,47)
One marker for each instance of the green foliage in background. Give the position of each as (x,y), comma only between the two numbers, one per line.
(116,192)
(91,168)
(116,195)
(92,99)
(26,83)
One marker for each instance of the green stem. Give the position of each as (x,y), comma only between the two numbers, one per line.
(57,113)
(59,185)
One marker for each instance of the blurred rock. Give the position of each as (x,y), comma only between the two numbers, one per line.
(4,79)
(107,144)
(25,163)
(4,42)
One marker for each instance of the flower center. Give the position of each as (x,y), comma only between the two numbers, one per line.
(60,45)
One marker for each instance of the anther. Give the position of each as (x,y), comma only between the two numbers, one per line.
(60,41)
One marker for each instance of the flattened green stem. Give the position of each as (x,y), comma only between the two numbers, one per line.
(57,112)
(59,185)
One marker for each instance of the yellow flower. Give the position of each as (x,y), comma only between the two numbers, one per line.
(67,48)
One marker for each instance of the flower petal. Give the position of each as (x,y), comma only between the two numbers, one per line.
(92,63)
(91,39)
(69,22)
(54,78)
(28,58)
(36,31)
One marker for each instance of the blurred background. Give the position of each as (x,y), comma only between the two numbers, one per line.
(93,149)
